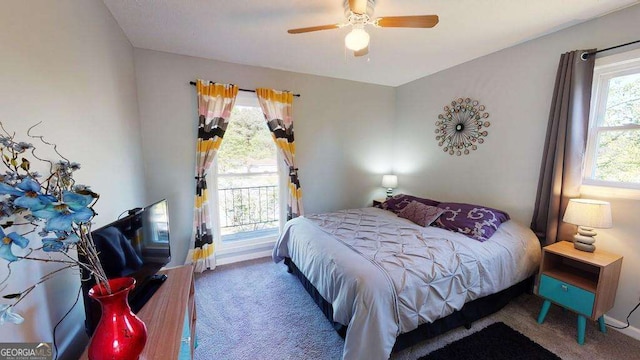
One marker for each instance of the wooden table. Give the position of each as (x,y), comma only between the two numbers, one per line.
(170,316)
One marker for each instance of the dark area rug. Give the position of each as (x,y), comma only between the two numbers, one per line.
(495,342)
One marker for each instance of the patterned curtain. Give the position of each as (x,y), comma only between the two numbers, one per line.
(276,106)
(215,102)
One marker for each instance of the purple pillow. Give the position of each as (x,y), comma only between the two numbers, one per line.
(420,213)
(474,221)
(398,202)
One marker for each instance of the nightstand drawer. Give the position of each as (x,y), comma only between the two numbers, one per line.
(567,295)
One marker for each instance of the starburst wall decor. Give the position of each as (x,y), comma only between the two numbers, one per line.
(460,128)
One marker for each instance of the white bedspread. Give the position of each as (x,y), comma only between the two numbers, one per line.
(385,275)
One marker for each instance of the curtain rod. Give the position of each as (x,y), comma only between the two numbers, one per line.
(584,56)
(247,90)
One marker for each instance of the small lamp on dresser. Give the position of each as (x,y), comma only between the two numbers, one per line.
(390,182)
(587,214)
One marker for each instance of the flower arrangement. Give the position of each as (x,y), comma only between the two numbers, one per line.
(51,205)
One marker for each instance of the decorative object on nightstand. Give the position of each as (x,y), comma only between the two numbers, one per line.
(583,282)
(587,214)
(390,182)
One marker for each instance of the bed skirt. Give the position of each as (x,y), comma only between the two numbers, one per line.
(471,311)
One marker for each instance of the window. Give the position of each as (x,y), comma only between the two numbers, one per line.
(613,147)
(245,176)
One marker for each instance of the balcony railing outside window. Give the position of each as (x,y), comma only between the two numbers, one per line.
(247,195)
(248,205)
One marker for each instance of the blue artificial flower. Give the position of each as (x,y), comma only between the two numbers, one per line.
(69,239)
(73,209)
(66,166)
(7,240)
(52,245)
(22,146)
(7,208)
(76,201)
(28,194)
(60,243)
(10,177)
(7,314)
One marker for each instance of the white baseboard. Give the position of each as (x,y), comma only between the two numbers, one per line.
(631,331)
(242,257)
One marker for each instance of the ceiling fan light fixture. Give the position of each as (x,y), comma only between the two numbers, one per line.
(357,39)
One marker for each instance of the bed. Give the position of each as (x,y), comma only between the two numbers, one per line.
(380,277)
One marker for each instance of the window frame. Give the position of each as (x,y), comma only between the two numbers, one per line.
(607,68)
(227,248)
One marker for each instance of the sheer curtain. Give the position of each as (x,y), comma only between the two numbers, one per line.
(564,148)
(215,102)
(276,106)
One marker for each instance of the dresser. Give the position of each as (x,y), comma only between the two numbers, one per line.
(170,316)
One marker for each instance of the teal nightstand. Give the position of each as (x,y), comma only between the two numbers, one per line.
(579,281)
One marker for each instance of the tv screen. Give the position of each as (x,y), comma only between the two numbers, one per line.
(136,245)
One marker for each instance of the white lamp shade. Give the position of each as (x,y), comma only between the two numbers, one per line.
(390,181)
(357,39)
(588,213)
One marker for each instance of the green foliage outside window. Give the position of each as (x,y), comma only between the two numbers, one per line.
(247,145)
(247,174)
(618,149)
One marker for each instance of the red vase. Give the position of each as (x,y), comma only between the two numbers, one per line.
(120,334)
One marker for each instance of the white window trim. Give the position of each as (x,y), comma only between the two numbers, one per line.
(606,68)
(245,246)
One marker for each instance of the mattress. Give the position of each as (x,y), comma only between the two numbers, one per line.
(385,275)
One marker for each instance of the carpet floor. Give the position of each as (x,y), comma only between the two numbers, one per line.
(256,310)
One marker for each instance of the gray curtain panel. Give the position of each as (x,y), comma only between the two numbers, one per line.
(564,148)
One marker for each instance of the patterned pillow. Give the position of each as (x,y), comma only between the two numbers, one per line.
(420,213)
(474,221)
(398,202)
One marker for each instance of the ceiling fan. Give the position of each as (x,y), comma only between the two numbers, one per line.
(359,14)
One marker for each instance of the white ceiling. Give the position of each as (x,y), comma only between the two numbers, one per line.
(254,32)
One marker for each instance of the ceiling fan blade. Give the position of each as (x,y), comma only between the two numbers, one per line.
(312,28)
(358,6)
(362,52)
(419,21)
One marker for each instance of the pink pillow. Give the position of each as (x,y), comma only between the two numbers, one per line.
(398,202)
(420,213)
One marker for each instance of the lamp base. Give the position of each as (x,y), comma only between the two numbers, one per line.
(389,193)
(584,240)
(584,247)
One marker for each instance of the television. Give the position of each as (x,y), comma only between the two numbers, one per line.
(136,245)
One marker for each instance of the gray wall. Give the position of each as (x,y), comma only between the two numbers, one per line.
(516,85)
(68,64)
(342,128)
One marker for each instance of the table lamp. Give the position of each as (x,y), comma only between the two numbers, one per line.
(587,214)
(390,182)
